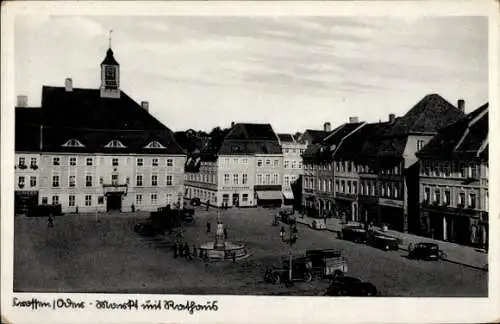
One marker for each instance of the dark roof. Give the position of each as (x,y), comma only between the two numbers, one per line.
(429,115)
(315,135)
(286,138)
(463,138)
(246,131)
(110,58)
(335,136)
(250,139)
(83,115)
(27,129)
(366,141)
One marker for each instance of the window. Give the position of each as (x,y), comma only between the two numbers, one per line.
(127,180)
(154,199)
(100,200)
(154,162)
(73,143)
(461,199)
(388,192)
(235,161)
(473,171)
(88,200)
(286,181)
(226,179)
(259,162)
(349,187)
(88,181)
(44,200)
(245,198)
(446,197)
(343,186)
(33,181)
(140,161)
(382,190)
(268,179)
(33,161)
(268,162)
(154,145)
(170,162)
(22,161)
(420,144)
(72,161)
(244,161)
(154,180)
(101,180)
(55,181)
(138,181)
(72,181)
(71,201)
(337,186)
(299,165)
(235,179)
(472,201)
(55,200)
(276,163)
(395,191)
(259,179)
(115,144)
(294,164)
(21,181)
(427,169)
(275,179)
(55,161)
(115,161)
(437,196)
(337,166)
(169,199)
(286,164)
(169,180)
(462,170)
(89,161)
(354,187)
(244,179)
(349,166)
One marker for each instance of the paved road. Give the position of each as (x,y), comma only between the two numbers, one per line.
(81,255)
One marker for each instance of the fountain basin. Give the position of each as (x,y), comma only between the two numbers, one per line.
(224,253)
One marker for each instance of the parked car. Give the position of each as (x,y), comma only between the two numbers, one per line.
(195,201)
(318,224)
(425,251)
(353,233)
(350,286)
(384,242)
(301,271)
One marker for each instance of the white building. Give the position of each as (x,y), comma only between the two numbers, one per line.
(292,163)
(98,149)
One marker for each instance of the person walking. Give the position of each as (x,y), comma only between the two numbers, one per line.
(225,233)
(133,208)
(209,227)
(208,204)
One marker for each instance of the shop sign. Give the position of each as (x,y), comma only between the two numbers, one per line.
(390,203)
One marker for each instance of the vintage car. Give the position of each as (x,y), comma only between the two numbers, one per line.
(195,202)
(384,242)
(316,264)
(350,286)
(353,233)
(318,224)
(425,251)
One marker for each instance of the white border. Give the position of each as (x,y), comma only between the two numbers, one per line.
(246,309)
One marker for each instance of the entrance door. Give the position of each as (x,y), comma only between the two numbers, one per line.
(114,202)
(236,200)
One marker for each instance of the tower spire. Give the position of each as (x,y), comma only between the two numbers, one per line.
(109,37)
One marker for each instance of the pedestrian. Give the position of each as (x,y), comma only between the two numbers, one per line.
(209,227)
(76,210)
(176,247)
(234,256)
(208,204)
(133,208)
(225,233)
(194,251)
(50,221)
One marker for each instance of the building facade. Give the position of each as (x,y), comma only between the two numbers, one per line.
(293,167)
(99,150)
(241,168)
(454,174)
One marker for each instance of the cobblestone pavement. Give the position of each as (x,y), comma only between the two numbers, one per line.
(82,255)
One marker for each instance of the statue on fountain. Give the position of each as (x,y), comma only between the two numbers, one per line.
(219,234)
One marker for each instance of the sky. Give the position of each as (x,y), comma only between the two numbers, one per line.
(292,72)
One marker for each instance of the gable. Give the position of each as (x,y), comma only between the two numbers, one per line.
(154,145)
(73,143)
(115,144)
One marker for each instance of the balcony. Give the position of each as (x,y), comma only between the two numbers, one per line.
(114,187)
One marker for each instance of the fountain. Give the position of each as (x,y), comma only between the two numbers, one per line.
(220,249)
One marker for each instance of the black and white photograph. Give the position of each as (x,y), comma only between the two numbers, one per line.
(321,156)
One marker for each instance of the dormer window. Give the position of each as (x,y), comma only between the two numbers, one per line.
(73,143)
(154,145)
(115,144)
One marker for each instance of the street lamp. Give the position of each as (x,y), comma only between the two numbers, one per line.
(292,238)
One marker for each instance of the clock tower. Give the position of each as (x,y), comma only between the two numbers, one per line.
(110,75)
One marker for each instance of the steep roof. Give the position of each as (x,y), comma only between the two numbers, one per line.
(110,58)
(464,138)
(82,114)
(315,135)
(366,141)
(27,129)
(429,115)
(244,138)
(286,138)
(335,136)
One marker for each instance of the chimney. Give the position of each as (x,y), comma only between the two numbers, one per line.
(232,124)
(392,118)
(327,127)
(22,101)
(353,120)
(68,85)
(145,105)
(461,105)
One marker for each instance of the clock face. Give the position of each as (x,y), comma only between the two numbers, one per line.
(109,73)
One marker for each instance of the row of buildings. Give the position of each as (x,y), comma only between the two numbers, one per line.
(99,150)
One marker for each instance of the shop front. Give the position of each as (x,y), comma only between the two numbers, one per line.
(346,208)
(268,196)
(368,210)
(391,214)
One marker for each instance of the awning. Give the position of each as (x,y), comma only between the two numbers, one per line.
(269,195)
(288,194)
